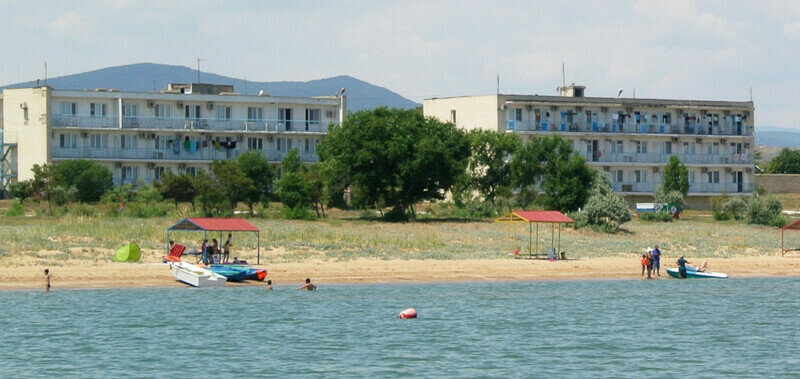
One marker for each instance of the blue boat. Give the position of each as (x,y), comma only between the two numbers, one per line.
(233,274)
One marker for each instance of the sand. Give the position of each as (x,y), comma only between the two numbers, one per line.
(124,275)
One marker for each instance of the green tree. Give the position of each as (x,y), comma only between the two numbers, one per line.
(90,179)
(549,165)
(676,176)
(211,196)
(257,168)
(43,181)
(669,197)
(605,209)
(315,190)
(21,190)
(489,165)
(179,188)
(397,157)
(292,189)
(787,162)
(236,185)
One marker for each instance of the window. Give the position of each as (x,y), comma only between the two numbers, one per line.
(255,143)
(616,176)
(453,116)
(640,147)
(712,148)
(285,117)
(689,148)
(98,141)
(667,147)
(279,144)
(713,177)
(307,147)
(515,114)
(223,113)
(192,111)
(616,146)
(288,144)
(312,117)
(691,177)
(130,110)
(255,114)
(666,118)
(69,108)
(163,111)
(191,171)
(98,109)
(67,140)
(129,174)
(128,141)
(640,176)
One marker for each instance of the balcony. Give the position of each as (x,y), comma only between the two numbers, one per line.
(694,188)
(156,155)
(661,158)
(198,124)
(629,128)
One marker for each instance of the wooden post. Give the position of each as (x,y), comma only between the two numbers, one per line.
(782,249)
(552,236)
(537,239)
(559,240)
(258,236)
(530,237)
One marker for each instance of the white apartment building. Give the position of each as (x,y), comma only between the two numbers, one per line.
(139,136)
(629,139)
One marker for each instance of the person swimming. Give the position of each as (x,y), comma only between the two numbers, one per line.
(269,285)
(47,280)
(308,286)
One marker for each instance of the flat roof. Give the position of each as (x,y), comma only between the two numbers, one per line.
(105,94)
(610,101)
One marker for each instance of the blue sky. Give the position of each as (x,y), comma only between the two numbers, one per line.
(663,49)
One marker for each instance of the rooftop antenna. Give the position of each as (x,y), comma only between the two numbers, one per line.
(198,68)
(634,93)
(498,84)
(245,85)
(619,93)
(45,73)
(563,75)
(751,94)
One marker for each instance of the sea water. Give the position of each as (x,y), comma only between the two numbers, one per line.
(571,328)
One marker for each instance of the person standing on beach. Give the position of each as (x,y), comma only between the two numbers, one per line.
(649,258)
(682,267)
(226,249)
(308,286)
(657,261)
(47,280)
(644,264)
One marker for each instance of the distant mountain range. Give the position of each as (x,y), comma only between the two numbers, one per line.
(151,77)
(777,137)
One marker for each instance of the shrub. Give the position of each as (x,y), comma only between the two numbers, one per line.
(662,216)
(61,195)
(605,209)
(735,206)
(21,190)
(717,210)
(141,209)
(15,210)
(299,213)
(765,210)
(660,195)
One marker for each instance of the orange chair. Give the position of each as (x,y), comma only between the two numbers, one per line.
(175,253)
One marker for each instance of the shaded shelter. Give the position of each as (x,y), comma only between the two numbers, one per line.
(794,225)
(532,218)
(197,224)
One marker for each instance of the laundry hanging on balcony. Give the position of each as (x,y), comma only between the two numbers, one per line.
(216,145)
(176,147)
(192,147)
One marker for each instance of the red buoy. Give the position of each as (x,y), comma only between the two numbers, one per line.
(408,313)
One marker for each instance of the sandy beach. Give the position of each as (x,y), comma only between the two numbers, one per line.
(124,275)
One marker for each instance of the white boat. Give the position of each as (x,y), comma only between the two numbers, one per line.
(691,273)
(196,276)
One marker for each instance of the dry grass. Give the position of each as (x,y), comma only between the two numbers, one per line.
(43,240)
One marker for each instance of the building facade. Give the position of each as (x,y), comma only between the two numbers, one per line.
(139,136)
(631,140)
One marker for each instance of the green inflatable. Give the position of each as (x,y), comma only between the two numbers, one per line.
(127,253)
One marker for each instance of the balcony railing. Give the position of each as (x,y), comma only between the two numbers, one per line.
(605,157)
(694,188)
(154,155)
(630,128)
(181,123)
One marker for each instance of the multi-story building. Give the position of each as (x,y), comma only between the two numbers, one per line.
(139,136)
(629,139)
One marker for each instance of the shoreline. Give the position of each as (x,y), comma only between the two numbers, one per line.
(80,275)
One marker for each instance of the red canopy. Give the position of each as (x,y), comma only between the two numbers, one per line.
(214,224)
(536,216)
